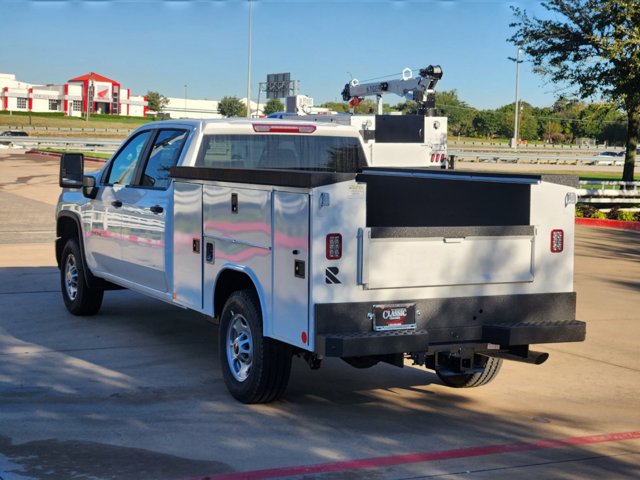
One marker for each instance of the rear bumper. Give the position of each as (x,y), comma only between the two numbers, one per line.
(345,329)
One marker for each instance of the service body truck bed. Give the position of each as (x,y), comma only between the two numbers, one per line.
(305,250)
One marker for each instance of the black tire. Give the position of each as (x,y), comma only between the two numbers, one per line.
(489,372)
(256,369)
(79,298)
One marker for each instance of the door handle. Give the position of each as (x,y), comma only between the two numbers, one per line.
(116,203)
(156,209)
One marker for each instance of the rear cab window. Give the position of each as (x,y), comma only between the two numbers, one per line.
(271,151)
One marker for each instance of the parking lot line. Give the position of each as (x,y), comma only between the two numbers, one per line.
(422,457)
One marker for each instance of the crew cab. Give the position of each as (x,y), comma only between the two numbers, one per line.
(281,232)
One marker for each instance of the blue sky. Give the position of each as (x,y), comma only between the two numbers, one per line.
(164,45)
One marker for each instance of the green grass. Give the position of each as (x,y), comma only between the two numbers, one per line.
(602,176)
(101,155)
(504,141)
(54,119)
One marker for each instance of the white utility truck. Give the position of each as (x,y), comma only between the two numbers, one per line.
(281,232)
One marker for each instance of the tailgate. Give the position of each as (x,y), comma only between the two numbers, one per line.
(395,257)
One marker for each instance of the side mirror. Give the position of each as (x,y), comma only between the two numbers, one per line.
(71,170)
(89,188)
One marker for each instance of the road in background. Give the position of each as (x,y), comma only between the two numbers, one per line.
(136,392)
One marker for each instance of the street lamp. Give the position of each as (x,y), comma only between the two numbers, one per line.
(185,99)
(516,132)
(249,65)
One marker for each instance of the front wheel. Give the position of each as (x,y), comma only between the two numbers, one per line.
(78,296)
(468,380)
(255,368)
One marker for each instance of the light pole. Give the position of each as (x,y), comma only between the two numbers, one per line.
(516,132)
(249,65)
(185,99)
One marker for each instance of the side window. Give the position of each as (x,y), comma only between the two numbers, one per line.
(123,166)
(164,155)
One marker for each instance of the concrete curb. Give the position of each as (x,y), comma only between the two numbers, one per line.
(58,155)
(596,222)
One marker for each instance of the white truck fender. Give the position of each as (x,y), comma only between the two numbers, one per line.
(260,291)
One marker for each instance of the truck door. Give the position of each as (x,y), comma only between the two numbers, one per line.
(145,205)
(103,217)
(291,268)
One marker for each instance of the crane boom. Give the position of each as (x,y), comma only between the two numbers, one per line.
(420,89)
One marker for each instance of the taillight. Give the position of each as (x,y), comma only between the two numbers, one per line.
(334,246)
(557,241)
(278,128)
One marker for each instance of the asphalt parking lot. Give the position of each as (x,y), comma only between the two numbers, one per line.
(136,392)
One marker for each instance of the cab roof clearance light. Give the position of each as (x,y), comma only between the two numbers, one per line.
(279,128)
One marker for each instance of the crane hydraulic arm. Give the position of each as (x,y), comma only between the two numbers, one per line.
(420,89)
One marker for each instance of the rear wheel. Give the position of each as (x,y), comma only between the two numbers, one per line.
(489,371)
(255,368)
(78,296)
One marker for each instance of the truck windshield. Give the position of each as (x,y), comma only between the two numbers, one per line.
(295,152)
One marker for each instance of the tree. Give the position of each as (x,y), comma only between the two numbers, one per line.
(366,106)
(274,105)
(551,131)
(407,107)
(336,106)
(231,107)
(528,124)
(604,122)
(156,101)
(460,115)
(486,122)
(593,45)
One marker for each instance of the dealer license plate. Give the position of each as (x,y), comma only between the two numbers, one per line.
(394,317)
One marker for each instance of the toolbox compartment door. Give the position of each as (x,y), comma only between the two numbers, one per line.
(438,256)
(187,253)
(291,268)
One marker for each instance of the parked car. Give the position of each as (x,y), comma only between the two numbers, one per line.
(623,153)
(11,133)
(14,133)
(608,158)
(281,115)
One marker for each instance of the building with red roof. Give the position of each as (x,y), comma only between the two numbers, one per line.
(92,91)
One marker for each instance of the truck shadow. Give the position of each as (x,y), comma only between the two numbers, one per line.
(145,374)
(608,243)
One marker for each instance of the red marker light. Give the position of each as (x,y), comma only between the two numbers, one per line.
(282,128)
(334,246)
(557,241)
